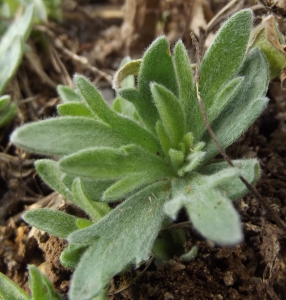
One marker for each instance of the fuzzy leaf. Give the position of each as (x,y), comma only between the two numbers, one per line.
(19,28)
(51,221)
(246,105)
(65,135)
(121,125)
(4,101)
(233,187)
(10,290)
(71,255)
(115,234)
(8,114)
(96,210)
(9,61)
(171,113)
(41,287)
(75,109)
(111,163)
(50,173)
(187,89)
(68,94)
(214,216)
(224,57)
(156,66)
(163,136)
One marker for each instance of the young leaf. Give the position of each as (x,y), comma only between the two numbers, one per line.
(187,89)
(140,215)
(171,113)
(156,66)
(68,94)
(41,287)
(75,109)
(10,290)
(71,255)
(51,221)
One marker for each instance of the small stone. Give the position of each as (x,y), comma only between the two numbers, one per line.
(228,278)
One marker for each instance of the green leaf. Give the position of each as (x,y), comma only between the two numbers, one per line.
(41,287)
(121,125)
(96,210)
(51,221)
(163,136)
(65,135)
(157,66)
(50,173)
(68,94)
(9,61)
(71,255)
(225,55)
(171,113)
(246,105)
(139,216)
(8,114)
(18,29)
(4,101)
(10,290)
(75,109)
(187,89)
(214,216)
(111,163)
(233,187)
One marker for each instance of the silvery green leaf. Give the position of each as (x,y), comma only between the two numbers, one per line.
(9,61)
(18,29)
(122,126)
(233,187)
(51,221)
(10,290)
(225,55)
(214,216)
(187,89)
(68,94)
(176,157)
(95,209)
(156,66)
(41,287)
(111,163)
(163,136)
(65,135)
(114,250)
(171,113)
(246,105)
(75,109)
(51,174)
(71,255)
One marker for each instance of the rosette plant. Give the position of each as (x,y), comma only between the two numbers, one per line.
(150,151)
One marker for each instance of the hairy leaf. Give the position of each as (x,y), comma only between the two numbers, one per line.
(140,215)
(10,290)
(75,109)
(51,221)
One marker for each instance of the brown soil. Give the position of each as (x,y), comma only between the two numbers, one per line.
(255,269)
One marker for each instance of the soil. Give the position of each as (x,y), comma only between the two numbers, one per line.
(97,35)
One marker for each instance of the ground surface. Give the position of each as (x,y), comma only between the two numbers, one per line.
(98,34)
